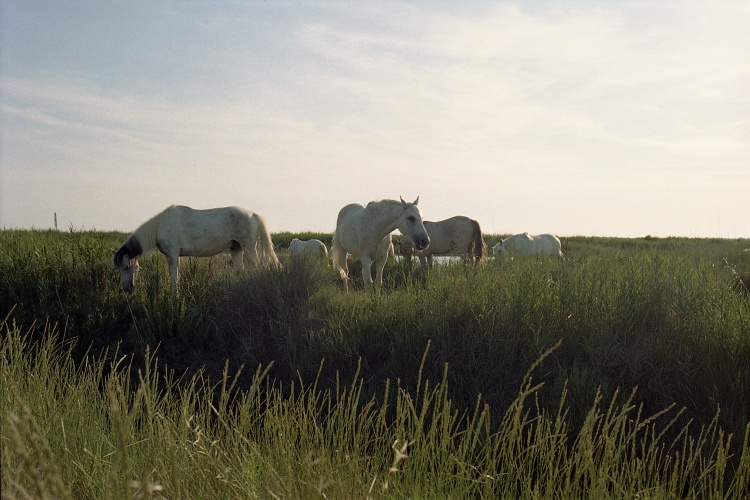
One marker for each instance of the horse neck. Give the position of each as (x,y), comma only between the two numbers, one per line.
(384,215)
(147,234)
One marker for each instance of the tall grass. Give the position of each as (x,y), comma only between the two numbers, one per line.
(645,391)
(81,431)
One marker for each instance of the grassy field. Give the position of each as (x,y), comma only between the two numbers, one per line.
(622,371)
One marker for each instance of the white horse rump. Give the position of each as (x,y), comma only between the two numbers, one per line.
(365,232)
(526,244)
(182,231)
(310,248)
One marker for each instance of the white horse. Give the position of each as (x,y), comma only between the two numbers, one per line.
(311,248)
(179,231)
(526,244)
(458,232)
(365,232)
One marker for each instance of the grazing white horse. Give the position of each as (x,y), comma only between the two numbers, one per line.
(365,232)
(311,248)
(459,232)
(183,231)
(526,244)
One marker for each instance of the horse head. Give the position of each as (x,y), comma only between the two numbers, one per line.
(405,248)
(500,249)
(128,268)
(411,225)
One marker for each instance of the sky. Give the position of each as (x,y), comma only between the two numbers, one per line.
(569,117)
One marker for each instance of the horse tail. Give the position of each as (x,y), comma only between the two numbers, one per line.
(335,252)
(338,257)
(265,243)
(480,249)
(560,255)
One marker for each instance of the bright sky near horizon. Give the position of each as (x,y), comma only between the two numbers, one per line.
(573,117)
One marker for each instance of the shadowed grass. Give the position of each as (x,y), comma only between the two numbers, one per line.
(75,432)
(665,316)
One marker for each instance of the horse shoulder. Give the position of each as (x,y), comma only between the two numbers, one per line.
(168,232)
(530,243)
(523,245)
(383,248)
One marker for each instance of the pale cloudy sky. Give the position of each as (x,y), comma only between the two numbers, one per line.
(574,117)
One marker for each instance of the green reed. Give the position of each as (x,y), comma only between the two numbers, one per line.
(646,325)
(90,430)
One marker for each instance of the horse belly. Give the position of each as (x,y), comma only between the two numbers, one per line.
(206,242)
(524,246)
(193,250)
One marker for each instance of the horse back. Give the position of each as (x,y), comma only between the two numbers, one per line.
(550,243)
(205,232)
(522,243)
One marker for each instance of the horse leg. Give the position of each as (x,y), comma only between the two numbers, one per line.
(238,261)
(467,257)
(338,256)
(174,273)
(367,272)
(237,249)
(379,266)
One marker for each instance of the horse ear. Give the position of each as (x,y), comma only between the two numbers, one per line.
(416,202)
(402,200)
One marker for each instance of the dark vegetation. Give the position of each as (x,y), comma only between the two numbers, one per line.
(668,317)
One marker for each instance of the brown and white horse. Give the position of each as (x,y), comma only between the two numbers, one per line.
(459,233)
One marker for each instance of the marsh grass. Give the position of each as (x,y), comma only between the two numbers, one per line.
(639,352)
(81,431)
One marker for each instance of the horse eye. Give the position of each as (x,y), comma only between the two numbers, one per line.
(411,218)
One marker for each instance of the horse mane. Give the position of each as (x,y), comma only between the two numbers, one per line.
(382,205)
(143,239)
(131,248)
